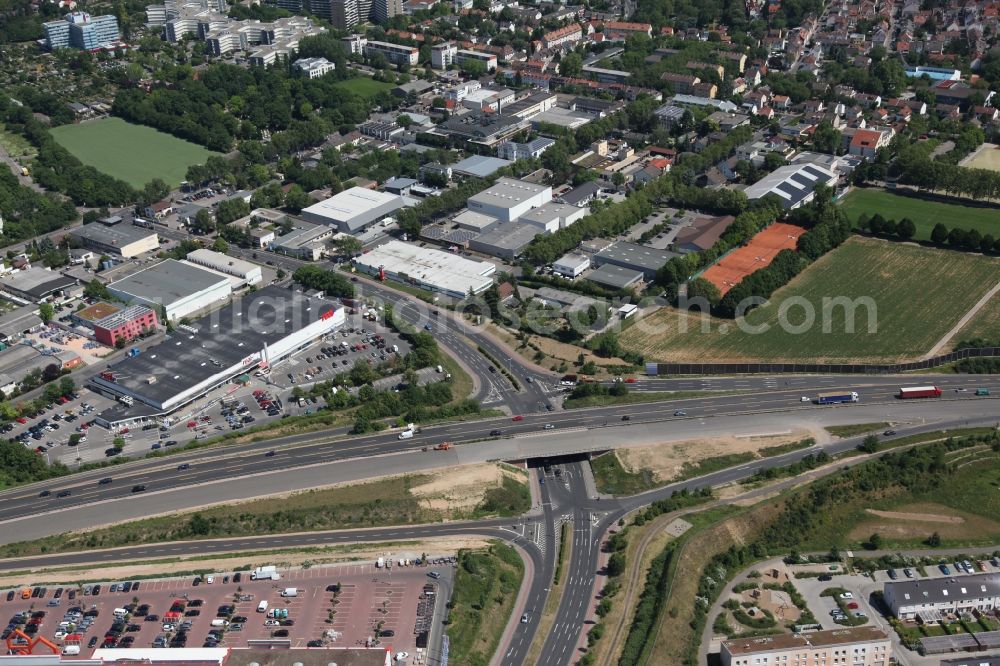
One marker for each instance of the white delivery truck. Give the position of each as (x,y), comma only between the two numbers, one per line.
(406,434)
(380,563)
(290,592)
(219,622)
(262,606)
(265,573)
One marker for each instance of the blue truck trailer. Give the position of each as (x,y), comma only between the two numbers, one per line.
(836,397)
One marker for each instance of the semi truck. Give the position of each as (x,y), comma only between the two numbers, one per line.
(907,392)
(834,397)
(265,573)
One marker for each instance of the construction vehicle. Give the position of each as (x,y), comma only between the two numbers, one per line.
(443,446)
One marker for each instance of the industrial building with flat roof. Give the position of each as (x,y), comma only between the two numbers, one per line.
(509,199)
(245,272)
(36,284)
(179,288)
(615,277)
(634,257)
(571,265)
(353,210)
(260,330)
(434,270)
(506,241)
(123,240)
(856,646)
(126,324)
(552,217)
(479,166)
(305,240)
(795,184)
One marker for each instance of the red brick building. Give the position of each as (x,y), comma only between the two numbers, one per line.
(125,324)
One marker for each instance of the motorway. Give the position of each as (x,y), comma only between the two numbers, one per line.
(233,462)
(562,499)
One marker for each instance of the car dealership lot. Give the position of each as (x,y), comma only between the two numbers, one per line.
(344,605)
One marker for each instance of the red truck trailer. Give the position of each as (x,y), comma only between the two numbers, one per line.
(906,392)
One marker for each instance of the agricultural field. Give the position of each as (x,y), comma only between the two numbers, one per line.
(133,153)
(987,157)
(364,86)
(925,213)
(984,325)
(904,317)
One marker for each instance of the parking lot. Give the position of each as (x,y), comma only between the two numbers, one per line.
(343,606)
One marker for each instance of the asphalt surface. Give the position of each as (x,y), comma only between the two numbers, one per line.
(534,533)
(227,463)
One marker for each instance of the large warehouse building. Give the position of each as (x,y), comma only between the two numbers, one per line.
(121,240)
(180,288)
(509,199)
(244,272)
(259,330)
(437,271)
(353,210)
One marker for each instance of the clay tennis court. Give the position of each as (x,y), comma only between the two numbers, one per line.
(758,253)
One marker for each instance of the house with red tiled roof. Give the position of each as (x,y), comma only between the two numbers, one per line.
(866,143)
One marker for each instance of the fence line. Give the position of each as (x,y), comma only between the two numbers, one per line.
(654,369)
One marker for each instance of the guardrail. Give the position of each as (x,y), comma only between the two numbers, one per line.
(657,369)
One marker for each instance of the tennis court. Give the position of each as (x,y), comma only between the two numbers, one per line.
(757,254)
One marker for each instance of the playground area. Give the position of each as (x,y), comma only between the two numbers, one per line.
(757,254)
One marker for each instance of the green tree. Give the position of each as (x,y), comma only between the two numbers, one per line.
(96,289)
(870,444)
(46,312)
(702,288)
(874,541)
(220,245)
(202,223)
(347,246)
(934,540)
(118,443)
(906,229)
(404,121)
(67,385)
(939,234)
(616,564)
(571,64)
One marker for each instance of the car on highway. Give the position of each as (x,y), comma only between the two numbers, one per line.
(269,454)
(496,432)
(626,418)
(524,618)
(889,433)
(680,412)
(517,418)
(183,466)
(64,493)
(45,493)
(549,426)
(105,481)
(138,488)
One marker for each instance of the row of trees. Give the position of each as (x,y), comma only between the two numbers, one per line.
(969,240)
(912,167)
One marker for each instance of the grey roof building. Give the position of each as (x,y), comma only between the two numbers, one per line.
(506,241)
(353,210)
(124,240)
(634,257)
(906,599)
(615,277)
(36,284)
(794,184)
(178,287)
(485,128)
(582,195)
(479,166)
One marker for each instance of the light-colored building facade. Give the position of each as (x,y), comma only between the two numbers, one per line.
(906,599)
(80,30)
(509,199)
(443,55)
(394,53)
(246,272)
(315,67)
(857,646)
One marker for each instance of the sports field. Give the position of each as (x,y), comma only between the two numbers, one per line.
(987,157)
(916,294)
(924,213)
(133,153)
(755,255)
(364,86)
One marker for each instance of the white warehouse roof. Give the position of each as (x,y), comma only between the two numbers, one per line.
(433,269)
(353,209)
(222,262)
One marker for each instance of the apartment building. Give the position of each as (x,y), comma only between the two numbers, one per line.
(488,59)
(907,599)
(567,35)
(80,30)
(443,55)
(394,53)
(857,646)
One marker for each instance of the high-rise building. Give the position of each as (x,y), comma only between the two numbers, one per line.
(80,30)
(383,10)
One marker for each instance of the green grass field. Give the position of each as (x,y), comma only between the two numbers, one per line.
(911,314)
(364,86)
(924,213)
(133,153)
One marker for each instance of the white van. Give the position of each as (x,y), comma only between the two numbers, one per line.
(262,607)
(290,592)
(219,622)
(71,650)
(120,612)
(406,434)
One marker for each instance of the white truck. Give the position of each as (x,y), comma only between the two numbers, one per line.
(380,563)
(265,573)
(411,429)
(290,592)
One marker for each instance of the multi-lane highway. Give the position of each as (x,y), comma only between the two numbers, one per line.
(563,498)
(233,462)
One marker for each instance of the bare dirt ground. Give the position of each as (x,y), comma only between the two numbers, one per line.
(312,557)
(919,517)
(668,460)
(462,488)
